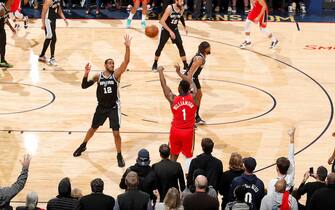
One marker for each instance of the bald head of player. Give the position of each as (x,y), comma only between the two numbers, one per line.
(109,65)
(183,87)
(204,48)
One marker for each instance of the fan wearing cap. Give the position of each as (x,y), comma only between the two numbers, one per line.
(144,171)
(254,186)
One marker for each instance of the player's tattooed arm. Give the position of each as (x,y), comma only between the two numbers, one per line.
(123,67)
(85,82)
(166,89)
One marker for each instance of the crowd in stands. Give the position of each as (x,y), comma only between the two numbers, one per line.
(162,186)
(200,9)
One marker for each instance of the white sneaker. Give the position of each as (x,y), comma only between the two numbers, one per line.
(52,61)
(245,44)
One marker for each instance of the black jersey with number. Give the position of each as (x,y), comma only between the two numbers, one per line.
(198,71)
(108,91)
(173,19)
(53,10)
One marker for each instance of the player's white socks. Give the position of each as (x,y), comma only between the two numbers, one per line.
(18,15)
(187,163)
(247,38)
(274,38)
(131,15)
(143,17)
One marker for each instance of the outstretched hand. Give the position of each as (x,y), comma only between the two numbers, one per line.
(26,161)
(127,40)
(87,68)
(291,133)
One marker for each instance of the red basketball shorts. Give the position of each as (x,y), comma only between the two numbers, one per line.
(263,20)
(182,141)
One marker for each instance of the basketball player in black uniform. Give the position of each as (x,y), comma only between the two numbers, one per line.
(170,19)
(50,10)
(196,66)
(108,100)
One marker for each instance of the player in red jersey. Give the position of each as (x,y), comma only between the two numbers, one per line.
(258,14)
(183,108)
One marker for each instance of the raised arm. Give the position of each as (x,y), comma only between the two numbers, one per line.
(189,80)
(46,5)
(167,91)
(291,170)
(119,71)
(85,82)
(7,193)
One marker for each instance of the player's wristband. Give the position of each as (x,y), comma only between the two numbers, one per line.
(85,84)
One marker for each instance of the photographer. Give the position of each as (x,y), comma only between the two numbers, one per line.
(311,187)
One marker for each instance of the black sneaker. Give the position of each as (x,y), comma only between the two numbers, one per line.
(245,44)
(199,121)
(120,161)
(274,44)
(78,151)
(154,67)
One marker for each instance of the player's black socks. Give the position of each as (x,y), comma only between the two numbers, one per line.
(83,144)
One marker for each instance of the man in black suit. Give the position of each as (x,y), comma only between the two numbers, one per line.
(96,200)
(168,173)
(210,165)
(133,198)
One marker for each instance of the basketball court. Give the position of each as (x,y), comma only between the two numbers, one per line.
(251,98)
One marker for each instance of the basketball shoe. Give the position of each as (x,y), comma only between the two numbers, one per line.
(79,150)
(25,22)
(52,61)
(120,161)
(143,24)
(154,67)
(245,44)
(128,23)
(274,44)
(199,121)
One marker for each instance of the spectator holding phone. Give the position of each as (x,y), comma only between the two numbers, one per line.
(311,187)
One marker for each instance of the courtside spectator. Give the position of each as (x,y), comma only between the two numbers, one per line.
(31,202)
(7,193)
(200,200)
(168,173)
(235,170)
(285,166)
(171,201)
(97,199)
(63,200)
(133,198)
(239,203)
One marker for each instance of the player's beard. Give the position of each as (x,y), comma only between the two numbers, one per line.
(110,70)
(179,6)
